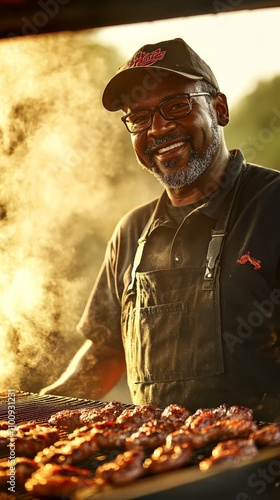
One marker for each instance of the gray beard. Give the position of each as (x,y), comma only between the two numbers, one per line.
(197,164)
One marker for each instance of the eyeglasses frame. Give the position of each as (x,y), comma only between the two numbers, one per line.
(152,111)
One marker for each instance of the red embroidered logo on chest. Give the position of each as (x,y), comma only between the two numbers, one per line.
(147,58)
(247,258)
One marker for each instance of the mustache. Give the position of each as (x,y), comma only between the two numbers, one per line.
(160,141)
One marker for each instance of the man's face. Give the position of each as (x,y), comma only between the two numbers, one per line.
(177,151)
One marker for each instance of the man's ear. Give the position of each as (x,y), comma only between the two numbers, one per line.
(221,106)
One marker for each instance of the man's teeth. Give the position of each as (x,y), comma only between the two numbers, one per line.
(168,148)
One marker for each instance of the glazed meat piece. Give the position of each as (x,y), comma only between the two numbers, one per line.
(219,431)
(166,458)
(267,435)
(226,459)
(201,418)
(227,412)
(176,413)
(29,438)
(108,412)
(235,447)
(227,429)
(151,434)
(73,419)
(184,436)
(68,451)
(234,450)
(22,468)
(208,416)
(68,419)
(32,438)
(58,481)
(139,414)
(111,434)
(124,469)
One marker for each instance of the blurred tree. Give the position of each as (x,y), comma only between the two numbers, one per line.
(255,124)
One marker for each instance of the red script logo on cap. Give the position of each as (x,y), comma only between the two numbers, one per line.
(147,58)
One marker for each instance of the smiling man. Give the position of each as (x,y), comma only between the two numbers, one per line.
(188,297)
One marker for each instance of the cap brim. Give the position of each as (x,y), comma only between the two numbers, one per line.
(129,80)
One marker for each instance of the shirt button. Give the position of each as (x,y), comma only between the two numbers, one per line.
(177,258)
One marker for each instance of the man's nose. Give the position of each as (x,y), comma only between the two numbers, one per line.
(160,124)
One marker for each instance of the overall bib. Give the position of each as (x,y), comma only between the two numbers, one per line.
(171,324)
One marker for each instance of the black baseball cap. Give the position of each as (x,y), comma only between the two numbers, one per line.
(171,56)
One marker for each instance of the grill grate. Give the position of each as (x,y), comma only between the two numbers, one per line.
(29,406)
(33,407)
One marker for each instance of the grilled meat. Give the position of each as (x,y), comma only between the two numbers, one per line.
(267,435)
(22,467)
(166,458)
(234,450)
(124,469)
(68,419)
(151,434)
(139,414)
(109,412)
(29,438)
(68,451)
(58,481)
(175,413)
(208,416)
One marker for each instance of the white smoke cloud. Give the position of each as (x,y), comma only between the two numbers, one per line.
(52,197)
(65,179)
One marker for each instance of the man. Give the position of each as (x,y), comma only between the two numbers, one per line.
(188,297)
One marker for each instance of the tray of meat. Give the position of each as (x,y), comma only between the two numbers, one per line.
(66,448)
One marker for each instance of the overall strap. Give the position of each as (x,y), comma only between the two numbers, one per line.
(216,243)
(139,252)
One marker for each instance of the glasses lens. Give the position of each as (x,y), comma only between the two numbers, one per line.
(138,121)
(178,107)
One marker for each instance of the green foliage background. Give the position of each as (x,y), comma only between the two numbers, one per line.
(254,125)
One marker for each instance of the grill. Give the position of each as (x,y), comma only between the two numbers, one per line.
(38,408)
(258,478)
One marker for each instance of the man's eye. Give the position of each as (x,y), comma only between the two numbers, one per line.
(139,119)
(178,106)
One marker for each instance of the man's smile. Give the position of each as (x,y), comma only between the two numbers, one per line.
(169,148)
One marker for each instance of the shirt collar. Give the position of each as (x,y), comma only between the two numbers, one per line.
(212,206)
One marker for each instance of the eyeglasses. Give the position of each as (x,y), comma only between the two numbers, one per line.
(172,108)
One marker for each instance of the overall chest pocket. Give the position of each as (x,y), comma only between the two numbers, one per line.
(169,328)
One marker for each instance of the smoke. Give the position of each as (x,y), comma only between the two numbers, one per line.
(61,172)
